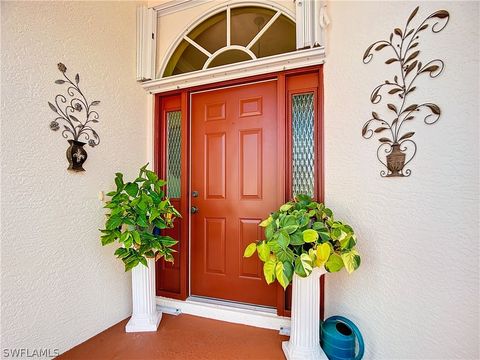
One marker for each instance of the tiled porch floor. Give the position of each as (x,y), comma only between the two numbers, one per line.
(182,337)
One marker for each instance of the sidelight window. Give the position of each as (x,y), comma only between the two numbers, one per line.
(303,144)
(174,152)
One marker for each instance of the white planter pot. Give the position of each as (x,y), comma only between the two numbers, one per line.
(304,343)
(145,316)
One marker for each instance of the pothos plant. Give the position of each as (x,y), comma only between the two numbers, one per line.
(300,236)
(138,209)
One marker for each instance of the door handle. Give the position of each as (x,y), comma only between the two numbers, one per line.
(194,210)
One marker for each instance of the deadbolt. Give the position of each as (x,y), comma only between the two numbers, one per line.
(195,193)
(194,210)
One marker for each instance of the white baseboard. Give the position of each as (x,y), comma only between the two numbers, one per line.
(234,313)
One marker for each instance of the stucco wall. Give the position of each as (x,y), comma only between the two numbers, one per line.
(416,293)
(59,286)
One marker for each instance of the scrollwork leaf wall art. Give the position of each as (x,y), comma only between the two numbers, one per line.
(397,147)
(77,116)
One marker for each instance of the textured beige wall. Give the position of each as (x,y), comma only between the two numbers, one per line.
(416,293)
(59,286)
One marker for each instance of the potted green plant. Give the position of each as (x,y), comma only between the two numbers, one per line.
(303,242)
(138,211)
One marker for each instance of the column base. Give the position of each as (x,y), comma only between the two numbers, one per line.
(298,353)
(144,323)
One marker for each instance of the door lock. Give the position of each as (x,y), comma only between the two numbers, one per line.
(194,210)
(195,193)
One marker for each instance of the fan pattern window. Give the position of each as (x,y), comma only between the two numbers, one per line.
(231,36)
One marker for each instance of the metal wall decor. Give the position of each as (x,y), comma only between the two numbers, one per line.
(75,114)
(396,147)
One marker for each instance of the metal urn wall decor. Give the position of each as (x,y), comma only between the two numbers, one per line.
(75,114)
(397,147)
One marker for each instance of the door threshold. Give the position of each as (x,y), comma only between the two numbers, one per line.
(252,315)
(232,304)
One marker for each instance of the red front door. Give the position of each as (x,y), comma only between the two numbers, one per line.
(234,177)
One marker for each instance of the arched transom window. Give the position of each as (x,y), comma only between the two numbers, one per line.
(233,35)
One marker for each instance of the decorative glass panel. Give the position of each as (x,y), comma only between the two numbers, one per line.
(174,153)
(212,33)
(247,22)
(279,38)
(186,58)
(303,140)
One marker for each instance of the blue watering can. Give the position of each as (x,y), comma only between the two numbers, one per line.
(338,337)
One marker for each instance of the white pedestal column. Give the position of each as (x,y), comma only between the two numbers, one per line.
(304,343)
(145,316)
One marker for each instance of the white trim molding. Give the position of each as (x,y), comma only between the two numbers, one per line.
(234,313)
(146,43)
(174,6)
(293,60)
(311,20)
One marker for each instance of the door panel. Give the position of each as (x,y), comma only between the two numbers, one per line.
(168,273)
(251,164)
(215,181)
(250,232)
(215,246)
(235,172)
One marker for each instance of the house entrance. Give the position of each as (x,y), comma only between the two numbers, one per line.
(232,152)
